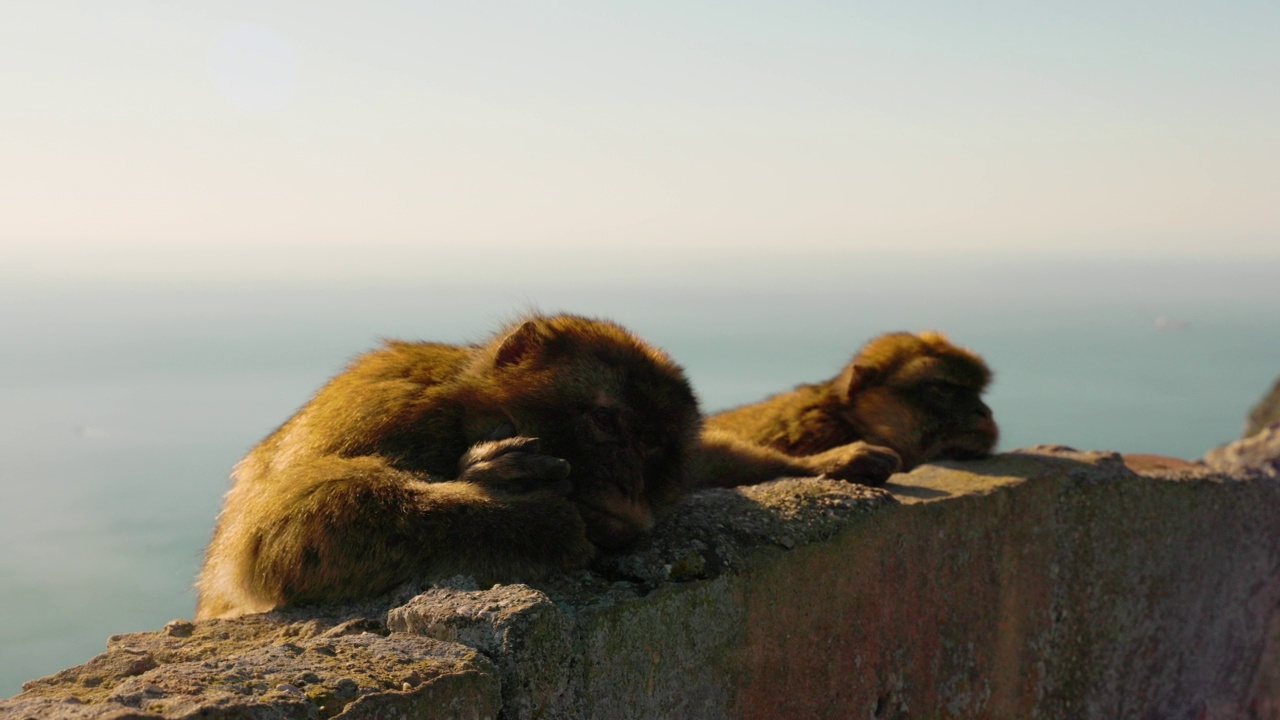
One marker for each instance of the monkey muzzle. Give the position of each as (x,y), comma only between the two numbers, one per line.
(610,496)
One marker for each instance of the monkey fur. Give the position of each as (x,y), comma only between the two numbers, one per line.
(561,437)
(915,393)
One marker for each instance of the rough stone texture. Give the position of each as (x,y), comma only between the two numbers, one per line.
(526,633)
(1037,584)
(268,666)
(1259,452)
(1266,412)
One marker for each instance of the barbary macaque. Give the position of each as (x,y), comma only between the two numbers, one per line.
(918,394)
(559,438)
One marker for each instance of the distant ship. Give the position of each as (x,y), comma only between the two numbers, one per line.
(1167,323)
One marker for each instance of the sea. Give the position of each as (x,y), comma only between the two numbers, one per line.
(125,401)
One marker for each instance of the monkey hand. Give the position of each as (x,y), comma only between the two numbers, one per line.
(857,462)
(514,466)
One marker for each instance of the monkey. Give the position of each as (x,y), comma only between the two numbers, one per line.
(559,438)
(917,394)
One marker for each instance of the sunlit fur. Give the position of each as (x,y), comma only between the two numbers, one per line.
(419,460)
(918,394)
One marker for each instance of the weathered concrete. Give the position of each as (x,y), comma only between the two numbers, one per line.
(1043,583)
(268,666)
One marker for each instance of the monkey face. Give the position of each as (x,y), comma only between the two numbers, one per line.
(923,421)
(615,476)
(920,395)
(620,412)
(954,422)
(651,434)
(627,457)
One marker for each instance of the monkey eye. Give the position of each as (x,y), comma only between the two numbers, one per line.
(607,420)
(939,393)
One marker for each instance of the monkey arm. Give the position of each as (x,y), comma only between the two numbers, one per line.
(724,460)
(335,528)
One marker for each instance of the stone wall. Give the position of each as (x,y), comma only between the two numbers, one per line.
(1043,583)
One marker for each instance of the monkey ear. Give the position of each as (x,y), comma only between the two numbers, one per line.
(519,344)
(853,378)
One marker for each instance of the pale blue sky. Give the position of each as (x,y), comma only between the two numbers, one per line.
(178,138)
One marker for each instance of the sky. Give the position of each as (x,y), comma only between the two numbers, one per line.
(152,138)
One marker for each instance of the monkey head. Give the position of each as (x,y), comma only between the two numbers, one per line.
(618,410)
(920,395)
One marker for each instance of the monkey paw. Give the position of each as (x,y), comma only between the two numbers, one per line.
(514,465)
(857,462)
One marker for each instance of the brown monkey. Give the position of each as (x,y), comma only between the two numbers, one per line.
(561,437)
(915,393)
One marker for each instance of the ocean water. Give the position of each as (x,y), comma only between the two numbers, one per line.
(125,403)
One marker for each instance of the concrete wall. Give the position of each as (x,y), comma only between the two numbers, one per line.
(1046,584)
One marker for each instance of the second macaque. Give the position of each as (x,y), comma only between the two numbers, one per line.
(918,394)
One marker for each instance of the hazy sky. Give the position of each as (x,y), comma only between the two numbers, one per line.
(314,137)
